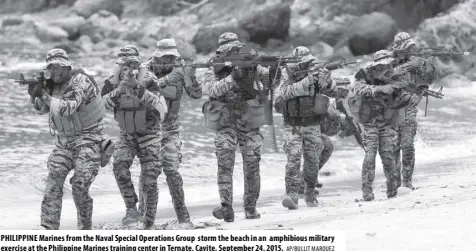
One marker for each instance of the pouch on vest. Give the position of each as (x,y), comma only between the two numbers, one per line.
(216,115)
(395,116)
(169,92)
(129,103)
(84,117)
(279,105)
(254,115)
(131,121)
(321,104)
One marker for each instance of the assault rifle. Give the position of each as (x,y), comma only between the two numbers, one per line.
(343,106)
(426,93)
(431,52)
(38,79)
(330,66)
(242,60)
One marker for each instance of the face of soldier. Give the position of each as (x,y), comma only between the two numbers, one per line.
(158,64)
(232,51)
(58,73)
(382,72)
(127,68)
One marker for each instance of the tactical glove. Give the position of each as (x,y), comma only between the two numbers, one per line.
(36,90)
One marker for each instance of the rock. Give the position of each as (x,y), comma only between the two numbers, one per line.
(270,22)
(12,21)
(70,47)
(206,38)
(85,43)
(371,33)
(455,30)
(47,33)
(164,7)
(455,80)
(403,190)
(25,6)
(87,8)
(71,24)
(102,25)
(321,50)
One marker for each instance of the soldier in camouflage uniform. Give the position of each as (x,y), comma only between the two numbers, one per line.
(331,124)
(416,71)
(378,121)
(236,114)
(174,81)
(139,110)
(303,105)
(75,109)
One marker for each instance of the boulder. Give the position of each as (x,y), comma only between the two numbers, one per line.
(86,8)
(371,33)
(271,22)
(102,25)
(48,33)
(70,24)
(206,38)
(12,21)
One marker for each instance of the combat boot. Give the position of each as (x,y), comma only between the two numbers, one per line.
(408,184)
(132,216)
(368,197)
(251,213)
(291,202)
(225,213)
(310,198)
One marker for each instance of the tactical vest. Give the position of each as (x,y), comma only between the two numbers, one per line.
(225,111)
(131,114)
(361,110)
(173,93)
(303,111)
(84,117)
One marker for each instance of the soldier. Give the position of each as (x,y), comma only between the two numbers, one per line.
(378,121)
(73,101)
(236,114)
(416,71)
(174,82)
(331,124)
(139,109)
(303,105)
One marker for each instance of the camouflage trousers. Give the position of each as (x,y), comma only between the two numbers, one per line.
(381,139)
(171,157)
(250,143)
(327,150)
(405,144)
(126,150)
(298,141)
(85,161)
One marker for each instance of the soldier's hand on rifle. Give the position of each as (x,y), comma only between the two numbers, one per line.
(237,73)
(324,77)
(385,89)
(36,90)
(189,71)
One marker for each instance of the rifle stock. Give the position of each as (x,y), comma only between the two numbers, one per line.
(343,106)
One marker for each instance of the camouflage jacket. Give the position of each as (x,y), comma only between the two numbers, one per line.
(288,90)
(226,88)
(65,100)
(152,98)
(177,78)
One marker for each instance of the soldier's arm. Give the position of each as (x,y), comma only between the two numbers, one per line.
(195,90)
(40,106)
(328,86)
(151,96)
(81,85)
(215,87)
(413,63)
(360,87)
(287,90)
(110,95)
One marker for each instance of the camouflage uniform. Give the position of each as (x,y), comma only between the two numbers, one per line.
(238,106)
(79,151)
(379,134)
(143,141)
(173,83)
(416,71)
(302,132)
